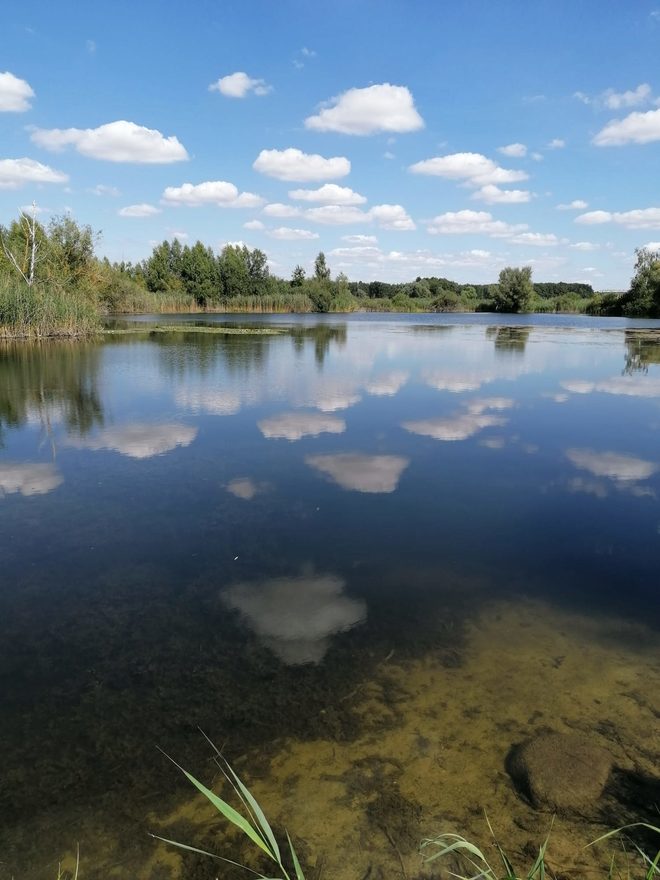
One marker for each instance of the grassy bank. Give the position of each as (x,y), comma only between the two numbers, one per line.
(45,311)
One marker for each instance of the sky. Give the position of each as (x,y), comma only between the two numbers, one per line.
(401,138)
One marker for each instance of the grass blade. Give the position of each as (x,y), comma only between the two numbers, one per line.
(296,862)
(204,852)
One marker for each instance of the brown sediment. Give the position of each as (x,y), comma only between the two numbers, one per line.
(433,758)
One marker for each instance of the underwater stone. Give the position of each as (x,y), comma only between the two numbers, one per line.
(560,771)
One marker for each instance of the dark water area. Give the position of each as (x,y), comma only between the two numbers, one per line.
(401,544)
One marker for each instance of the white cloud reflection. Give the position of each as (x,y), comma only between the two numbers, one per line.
(361,473)
(463,424)
(28,478)
(387,384)
(211,401)
(246,488)
(295,426)
(139,440)
(612,465)
(295,617)
(630,386)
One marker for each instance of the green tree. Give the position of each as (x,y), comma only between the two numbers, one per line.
(298,277)
(514,289)
(71,250)
(321,269)
(643,298)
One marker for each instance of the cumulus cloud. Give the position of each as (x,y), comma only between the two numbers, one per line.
(292,164)
(336,215)
(613,465)
(474,169)
(392,217)
(277,209)
(141,210)
(471,223)
(361,473)
(557,144)
(575,205)
(119,141)
(286,233)
(631,98)
(538,239)
(636,128)
(246,488)
(360,239)
(517,151)
(377,108)
(28,478)
(253,224)
(102,190)
(15,94)
(460,426)
(640,218)
(211,192)
(296,425)
(387,384)
(328,194)
(584,246)
(492,195)
(139,440)
(14,173)
(239,85)
(296,617)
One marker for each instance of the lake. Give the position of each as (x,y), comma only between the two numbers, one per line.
(364,555)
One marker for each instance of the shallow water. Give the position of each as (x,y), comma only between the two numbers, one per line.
(365,556)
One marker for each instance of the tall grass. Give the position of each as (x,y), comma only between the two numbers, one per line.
(282,303)
(41,311)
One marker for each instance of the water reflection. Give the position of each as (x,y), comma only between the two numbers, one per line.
(359,472)
(139,440)
(246,488)
(387,384)
(509,340)
(28,478)
(295,426)
(465,424)
(296,617)
(623,472)
(215,402)
(49,383)
(629,386)
(642,350)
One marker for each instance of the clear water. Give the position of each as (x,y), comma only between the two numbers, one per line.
(364,555)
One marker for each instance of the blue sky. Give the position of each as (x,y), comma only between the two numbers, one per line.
(403,139)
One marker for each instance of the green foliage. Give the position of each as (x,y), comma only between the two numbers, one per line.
(298,277)
(44,310)
(514,290)
(643,298)
(251,822)
(321,269)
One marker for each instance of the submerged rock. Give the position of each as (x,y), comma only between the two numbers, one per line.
(560,771)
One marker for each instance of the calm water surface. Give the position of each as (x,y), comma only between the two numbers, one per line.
(365,555)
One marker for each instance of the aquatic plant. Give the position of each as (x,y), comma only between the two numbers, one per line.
(252,823)
(651,865)
(447,844)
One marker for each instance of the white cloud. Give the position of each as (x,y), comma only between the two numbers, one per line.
(15,94)
(517,151)
(584,246)
(556,144)
(285,233)
(209,400)
(537,157)
(472,168)
(292,164)
(211,192)
(119,141)
(640,218)
(28,478)
(141,210)
(652,245)
(182,236)
(582,97)
(14,173)
(328,194)
(575,205)
(139,440)
(636,128)
(632,98)
(387,384)
(361,473)
(245,488)
(336,215)
(493,195)
(296,617)
(538,239)
(295,426)
(613,465)
(277,209)
(471,223)
(461,426)
(360,239)
(102,190)
(253,224)
(392,217)
(239,84)
(377,108)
